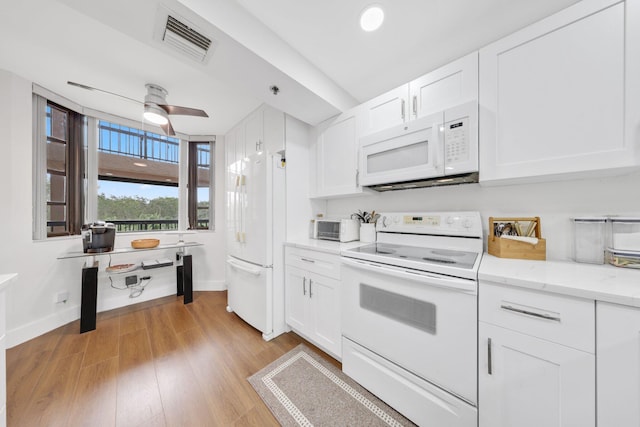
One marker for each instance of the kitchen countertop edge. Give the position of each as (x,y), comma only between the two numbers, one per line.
(326,246)
(596,282)
(5,279)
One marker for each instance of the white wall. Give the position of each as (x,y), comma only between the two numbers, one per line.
(556,203)
(300,209)
(31,310)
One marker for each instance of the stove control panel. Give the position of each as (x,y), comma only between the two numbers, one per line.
(421,220)
(438,223)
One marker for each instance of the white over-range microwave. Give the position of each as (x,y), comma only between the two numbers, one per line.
(438,149)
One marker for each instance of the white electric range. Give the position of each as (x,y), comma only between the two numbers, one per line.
(410,315)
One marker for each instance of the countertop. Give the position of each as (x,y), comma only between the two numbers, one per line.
(5,279)
(327,246)
(597,282)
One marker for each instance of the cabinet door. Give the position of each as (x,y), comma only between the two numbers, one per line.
(324,295)
(453,84)
(385,111)
(297,298)
(253,127)
(273,133)
(336,158)
(552,97)
(528,382)
(618,350)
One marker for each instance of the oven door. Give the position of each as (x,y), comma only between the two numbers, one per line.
(403,153)
(423,322)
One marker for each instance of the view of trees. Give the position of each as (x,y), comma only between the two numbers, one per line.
(126,207)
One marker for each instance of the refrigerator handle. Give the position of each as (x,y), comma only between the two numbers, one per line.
(243,213)
(235,209)
(247,269)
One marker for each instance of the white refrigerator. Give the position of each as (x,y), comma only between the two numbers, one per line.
(256,207)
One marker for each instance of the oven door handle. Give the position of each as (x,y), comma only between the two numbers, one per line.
(453,283)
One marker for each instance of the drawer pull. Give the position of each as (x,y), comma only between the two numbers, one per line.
(530,313)
(308,260)
(489,361)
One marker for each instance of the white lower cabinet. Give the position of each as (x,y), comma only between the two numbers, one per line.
(618,348)
(312,300)
(526,381)
(536,359)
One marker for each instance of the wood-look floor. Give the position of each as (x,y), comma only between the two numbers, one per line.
(158,363)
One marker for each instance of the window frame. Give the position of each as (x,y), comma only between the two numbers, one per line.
(192,185)
(85,192)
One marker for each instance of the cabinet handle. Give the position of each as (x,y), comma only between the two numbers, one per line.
(402,114)
(304,286)
(489,361)
(357,178)
(308,260)
(530,313)
(415,105)
(310,289)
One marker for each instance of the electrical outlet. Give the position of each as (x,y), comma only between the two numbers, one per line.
(62,297)
(131,280)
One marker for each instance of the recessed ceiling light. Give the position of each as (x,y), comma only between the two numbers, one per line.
(371,18)
(142,165)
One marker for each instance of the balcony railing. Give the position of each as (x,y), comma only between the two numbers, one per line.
(123,140)
(132,225)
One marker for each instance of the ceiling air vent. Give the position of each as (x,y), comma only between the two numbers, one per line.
(177,35)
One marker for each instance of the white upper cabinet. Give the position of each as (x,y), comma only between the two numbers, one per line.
(264,130)
(554,95)
(385,111)
(448,86)
(336,160)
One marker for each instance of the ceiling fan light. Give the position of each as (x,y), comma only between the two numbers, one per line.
(371,18)
(155,115)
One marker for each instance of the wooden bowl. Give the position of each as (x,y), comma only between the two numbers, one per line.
(144,243)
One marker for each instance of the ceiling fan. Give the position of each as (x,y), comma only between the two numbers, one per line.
(156,109)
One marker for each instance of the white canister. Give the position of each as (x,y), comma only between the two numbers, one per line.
(367,232)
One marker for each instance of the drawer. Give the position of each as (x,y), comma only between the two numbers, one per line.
(412,396)
(557,318)
(317,262)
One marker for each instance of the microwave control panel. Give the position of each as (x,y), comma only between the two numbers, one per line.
(456,141)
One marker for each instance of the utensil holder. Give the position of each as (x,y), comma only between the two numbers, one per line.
(368,232)
(508,248)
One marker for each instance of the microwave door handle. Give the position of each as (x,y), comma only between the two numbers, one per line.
(438,129)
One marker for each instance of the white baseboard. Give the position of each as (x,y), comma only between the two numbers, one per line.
(210,285)
(41,326)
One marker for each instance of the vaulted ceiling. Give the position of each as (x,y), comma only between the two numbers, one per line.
(314,51)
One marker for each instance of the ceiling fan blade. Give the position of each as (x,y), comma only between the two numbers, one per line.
(82,86)
(168,129)
(183,111)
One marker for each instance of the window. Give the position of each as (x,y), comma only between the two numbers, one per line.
(137,178)
(87,169)
(64,170)
(200,178)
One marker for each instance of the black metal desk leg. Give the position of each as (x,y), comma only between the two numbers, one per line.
(187,275)
(89,299)
(179,280)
